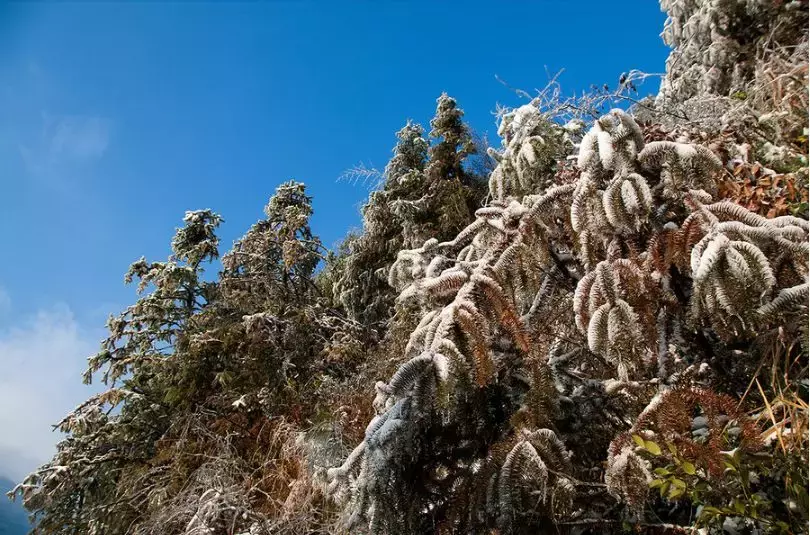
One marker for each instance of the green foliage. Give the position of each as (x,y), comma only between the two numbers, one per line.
(428,190)
(747,492)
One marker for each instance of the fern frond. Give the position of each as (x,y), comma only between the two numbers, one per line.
(788,298)
(581,294)
(477,342)
(409,373)
(598,329)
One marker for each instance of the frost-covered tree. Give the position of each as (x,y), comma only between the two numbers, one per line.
(453,141)
(559,315)
(272,266)
(362,286)
(78,488)
(719,46)
(208,381)
(741,65)
(426,188)
(454,190)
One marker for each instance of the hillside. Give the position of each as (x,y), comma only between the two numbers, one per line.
(600,325)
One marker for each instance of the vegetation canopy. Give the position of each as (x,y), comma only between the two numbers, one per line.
(599,326)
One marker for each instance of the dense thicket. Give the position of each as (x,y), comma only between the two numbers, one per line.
(605,328)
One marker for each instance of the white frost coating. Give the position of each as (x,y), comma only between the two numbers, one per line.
(587,151)
(442,366)
(711,256)
(631,201)
(598,329)
(606,152)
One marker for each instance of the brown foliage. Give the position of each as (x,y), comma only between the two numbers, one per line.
(763,191)
(670,418)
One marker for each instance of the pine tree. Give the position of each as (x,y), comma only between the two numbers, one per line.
(426,188)
(363,288)
(453,142)
(78,488)
(206,379)
(454,191)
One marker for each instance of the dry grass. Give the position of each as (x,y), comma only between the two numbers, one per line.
(235,473)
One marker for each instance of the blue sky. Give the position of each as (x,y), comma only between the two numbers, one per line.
(115,119)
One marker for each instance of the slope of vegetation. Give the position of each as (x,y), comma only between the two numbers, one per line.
(599,326)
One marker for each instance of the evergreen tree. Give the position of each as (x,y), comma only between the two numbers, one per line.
(426,189)
(453,142)
(206,379)
(454,192)
(78,491)
(363,287)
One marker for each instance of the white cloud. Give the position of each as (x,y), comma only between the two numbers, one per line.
(77,137)
(41,361)
(64,142)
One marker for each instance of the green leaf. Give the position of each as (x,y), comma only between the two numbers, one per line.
(688,468)
(638,440)
(664,488)
(709,510)
(675,493)
(678,483)
(672,449)
(652,447)
(661,472)
(739,507)
(657,483)
(172,395)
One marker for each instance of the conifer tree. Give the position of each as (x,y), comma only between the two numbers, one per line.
(203,376)
(79,487)
(426,188)
(453,142)
(362,287)
(454,191)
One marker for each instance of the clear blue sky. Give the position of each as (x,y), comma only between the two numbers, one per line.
(115,119)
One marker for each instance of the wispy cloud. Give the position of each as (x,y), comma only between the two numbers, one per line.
(65,141)
(78,137)
(41,361)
